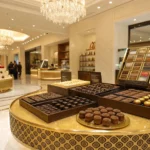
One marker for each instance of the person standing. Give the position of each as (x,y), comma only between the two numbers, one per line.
(10,68)
(15,70)
(19,70)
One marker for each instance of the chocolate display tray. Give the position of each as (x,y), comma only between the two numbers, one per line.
(43,98)
(95,97)
(121,125)
(138,110)
(55,115)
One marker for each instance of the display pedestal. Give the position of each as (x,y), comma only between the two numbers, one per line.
(68,134)
(34,72)
(6,84)
(49,74)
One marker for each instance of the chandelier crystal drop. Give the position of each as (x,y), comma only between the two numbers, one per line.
(63,11)
(6,37)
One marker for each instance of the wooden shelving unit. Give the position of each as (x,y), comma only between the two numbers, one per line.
(63,53)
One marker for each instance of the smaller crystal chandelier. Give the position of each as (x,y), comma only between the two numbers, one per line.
(63,11)
(2,47)
(6,37)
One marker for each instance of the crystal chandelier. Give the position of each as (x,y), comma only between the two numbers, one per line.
(6,37)
(63,11)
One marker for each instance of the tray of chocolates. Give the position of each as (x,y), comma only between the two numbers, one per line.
(136,102)
(136,68)
(103,118)
(59,108)
(96,89)
(40,98)
(63,87)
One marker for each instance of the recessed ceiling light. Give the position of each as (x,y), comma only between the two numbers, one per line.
(21,29)
(110,2)
(44,34)
(33,25)
(17,47)
(140,40)
(37,36)
(63,27)
(140,37)
(12,49)
(9,27)
(134,19)
(134,41)
(12,19)
(98,7)
(41,35)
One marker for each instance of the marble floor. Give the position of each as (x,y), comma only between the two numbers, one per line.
(26,85)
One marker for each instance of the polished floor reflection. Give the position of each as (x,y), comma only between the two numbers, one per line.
(26,85)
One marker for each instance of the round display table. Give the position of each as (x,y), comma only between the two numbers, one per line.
(6,84)
(49,74)
(67,134)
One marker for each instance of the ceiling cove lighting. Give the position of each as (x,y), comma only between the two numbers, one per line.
(6,37)
(63,11)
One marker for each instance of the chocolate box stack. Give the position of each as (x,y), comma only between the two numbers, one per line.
(55,109)
(136,67)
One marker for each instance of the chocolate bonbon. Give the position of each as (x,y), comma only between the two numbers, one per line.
(102,117)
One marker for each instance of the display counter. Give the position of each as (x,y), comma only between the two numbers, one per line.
(6,84)
(63,87)
(68,134)
(46,74)
(34,72)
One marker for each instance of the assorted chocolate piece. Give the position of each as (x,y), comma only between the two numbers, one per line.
(64,103)
(95,89)
(102,116)
(41,97)
(58,108)
(138,97)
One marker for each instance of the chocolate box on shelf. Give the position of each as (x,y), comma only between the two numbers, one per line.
(136,102)
(135,70)
(59,108)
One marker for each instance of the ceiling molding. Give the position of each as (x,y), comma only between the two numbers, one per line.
(18,8)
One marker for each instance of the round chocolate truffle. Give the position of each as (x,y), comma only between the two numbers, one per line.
(82,114)
(111,113)
(101,107)
(97,120)
(88,117)
(109,109)
(103,111)
(120,116)
(105,115)
(88,111)
(97,113)
(116,111)
(114,119)
(137,101)
(106,122)
(95,109)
